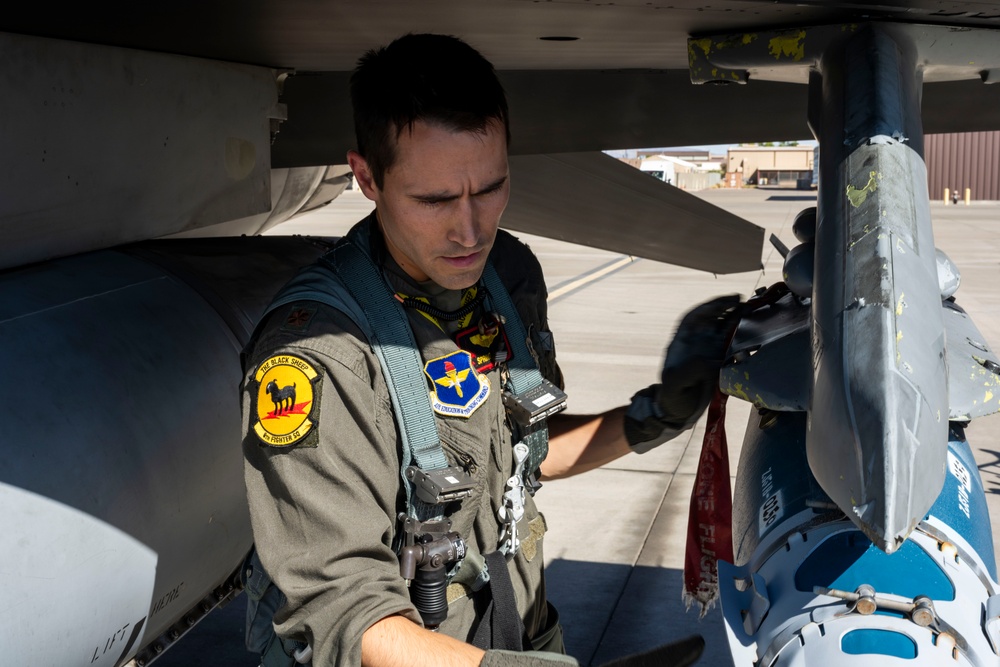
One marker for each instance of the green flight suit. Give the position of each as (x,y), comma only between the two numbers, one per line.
(324,499)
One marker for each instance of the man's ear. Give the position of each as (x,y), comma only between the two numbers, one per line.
(363,174)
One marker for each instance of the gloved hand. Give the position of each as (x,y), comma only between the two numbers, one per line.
(689,378)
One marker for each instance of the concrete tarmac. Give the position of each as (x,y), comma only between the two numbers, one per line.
(615,547)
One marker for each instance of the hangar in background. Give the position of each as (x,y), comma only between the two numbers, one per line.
(963,160)
(769,165)
(954,161)
(958,161)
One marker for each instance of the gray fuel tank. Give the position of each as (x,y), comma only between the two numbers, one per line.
(121,470)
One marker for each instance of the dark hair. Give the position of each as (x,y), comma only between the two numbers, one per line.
(434,78)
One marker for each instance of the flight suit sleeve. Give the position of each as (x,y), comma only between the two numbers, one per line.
(324,500)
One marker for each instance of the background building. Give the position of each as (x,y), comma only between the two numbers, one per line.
(954,161)
(966,160)
(688,170)
(769,165)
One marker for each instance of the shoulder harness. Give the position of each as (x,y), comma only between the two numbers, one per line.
(346,278)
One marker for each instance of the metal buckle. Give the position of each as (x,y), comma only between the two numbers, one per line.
(536,404)
(441,486)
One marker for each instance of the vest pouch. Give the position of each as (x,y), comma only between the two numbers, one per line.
(550,639)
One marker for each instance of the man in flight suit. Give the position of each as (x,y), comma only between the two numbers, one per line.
(322,441)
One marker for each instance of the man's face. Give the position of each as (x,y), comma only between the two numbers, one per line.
(440,203)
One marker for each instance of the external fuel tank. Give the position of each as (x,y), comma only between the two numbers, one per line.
(121,469)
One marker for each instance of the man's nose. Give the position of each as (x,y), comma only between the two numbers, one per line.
(464,229)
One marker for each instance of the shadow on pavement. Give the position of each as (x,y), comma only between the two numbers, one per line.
(608,611)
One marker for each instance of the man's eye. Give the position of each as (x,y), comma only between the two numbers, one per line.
(495,190)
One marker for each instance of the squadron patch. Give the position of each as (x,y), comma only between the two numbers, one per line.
(457,388)
(286,402)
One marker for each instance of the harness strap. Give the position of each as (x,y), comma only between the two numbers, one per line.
(398,351)
(524,373)
(398,354)
(418,432)
(500,627)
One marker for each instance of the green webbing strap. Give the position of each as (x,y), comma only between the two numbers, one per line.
(398,354)
(394,339)
(524,373)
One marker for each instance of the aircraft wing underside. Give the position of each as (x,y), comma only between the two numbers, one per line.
(189,140)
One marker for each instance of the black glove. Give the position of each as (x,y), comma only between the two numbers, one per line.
(689,378)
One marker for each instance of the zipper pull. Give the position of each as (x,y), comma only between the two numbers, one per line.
(468,463)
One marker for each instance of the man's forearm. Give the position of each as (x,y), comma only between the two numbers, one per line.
(396,641)
(578,443)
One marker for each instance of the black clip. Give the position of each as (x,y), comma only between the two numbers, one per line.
(535,404)
(441,486)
